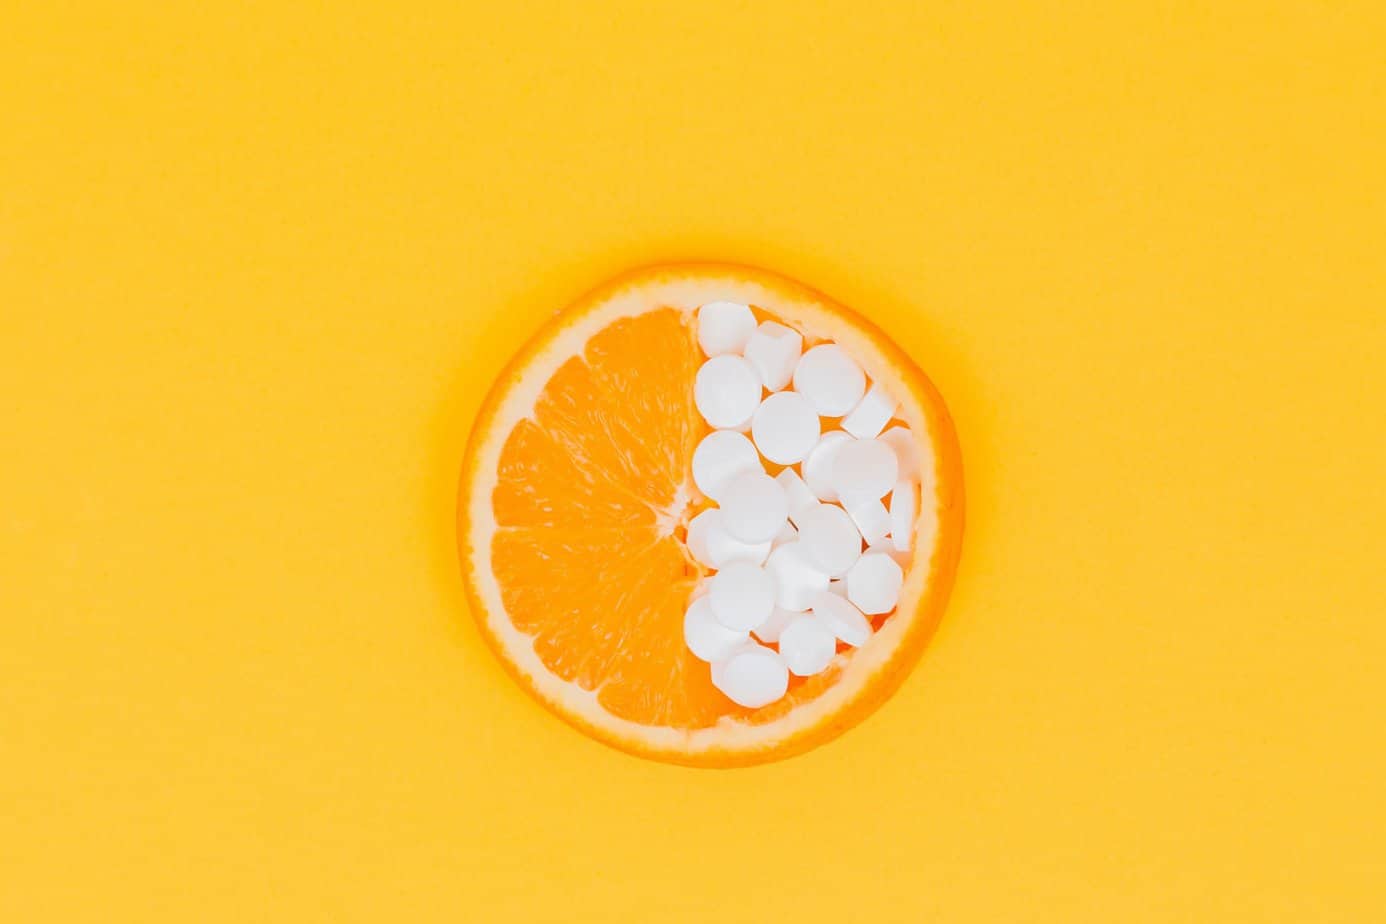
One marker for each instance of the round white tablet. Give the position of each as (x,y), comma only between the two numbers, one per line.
(830,379)
(904,508)
(841,617)
(754,507)
(724,327)
(818,467)
(720,455)
(753,676)
(871,414)
(829,540)
(796,581)
(742,596)
(873,583)
(785,427)
(807,646)
(872,519)
(863,470)
(774,350)
(726,391)
(707,638)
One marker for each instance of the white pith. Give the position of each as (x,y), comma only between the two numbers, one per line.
(686,295)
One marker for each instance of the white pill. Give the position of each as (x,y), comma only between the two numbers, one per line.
(807,646)
(742,595)
(906,451)
(829,540)
(720,455)
(843,619)
(904,507)
(885,548)
(785,427)
(724,327)
(818,467)
(796,581)
(698,533)
(796,492)
(753,676)
(838,587)
(696,539)
(786,534)
(712,546)
(707,638)
(726,391)
(830,379)
(718,665)
(873,583)
(769,631)
(871,414)
(754,507)
(774,350)
(872,519)
(863,470)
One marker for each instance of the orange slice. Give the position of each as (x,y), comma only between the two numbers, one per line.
(575,495)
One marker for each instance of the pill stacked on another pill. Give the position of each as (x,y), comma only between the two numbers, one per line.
(813,494)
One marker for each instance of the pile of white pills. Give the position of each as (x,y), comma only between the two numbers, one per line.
(802,560)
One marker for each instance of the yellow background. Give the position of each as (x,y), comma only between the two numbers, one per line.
(259,262)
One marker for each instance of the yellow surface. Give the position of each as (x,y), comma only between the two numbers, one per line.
(258,263)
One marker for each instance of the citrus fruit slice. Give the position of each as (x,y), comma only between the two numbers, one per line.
(575,500)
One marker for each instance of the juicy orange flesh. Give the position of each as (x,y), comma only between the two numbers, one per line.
(586,551)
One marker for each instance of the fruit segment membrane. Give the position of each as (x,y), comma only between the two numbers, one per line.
(608,531)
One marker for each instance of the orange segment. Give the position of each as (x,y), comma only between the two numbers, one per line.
(587,596)
(612,431)
(538,487)
(647,363)
(588,573)
(575,494)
